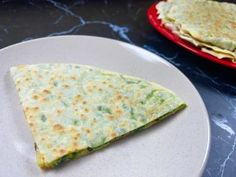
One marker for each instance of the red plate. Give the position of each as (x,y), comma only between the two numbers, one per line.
(157,24)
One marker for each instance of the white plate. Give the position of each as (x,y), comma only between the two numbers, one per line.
(177,147)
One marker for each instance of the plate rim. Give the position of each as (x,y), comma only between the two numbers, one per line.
(207,152)
(167,33)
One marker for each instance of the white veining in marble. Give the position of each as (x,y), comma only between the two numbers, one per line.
(169,58)
(223,124)
(66,9)
(59,19)
(121,30)
(223,165)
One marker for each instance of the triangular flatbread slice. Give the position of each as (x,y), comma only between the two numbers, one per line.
(75,109)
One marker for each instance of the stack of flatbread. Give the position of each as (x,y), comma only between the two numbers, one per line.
(207,24)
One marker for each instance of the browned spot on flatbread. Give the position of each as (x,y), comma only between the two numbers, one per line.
(217,24)
(82,116)
(35,97)
(46,91)
(118,97)
(88,130)
(111,117)
(26,109)
(118,111)
(77,136)
(113,134)
(45,100)
(74,144)
(73,130)
(35,109)
(73,77)
(77,99)
(59,112)
(94,122)
(233,24)
(62,151)
(66,86)
(86,110)
(58,127)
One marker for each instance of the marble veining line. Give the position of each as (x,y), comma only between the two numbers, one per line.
(69,31)
(138,11)
(204,75)
(223,165)
(208,172)
(105,13)
(59,19)
(31,2)
(222,123)
(79,2)
(170,59)
(121,30)
(66,9)
(222,139)
(215,81)
(5,30)
(26,39)
(150,38)
(230,131)
(229,101)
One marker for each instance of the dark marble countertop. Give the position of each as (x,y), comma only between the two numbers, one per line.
(126,21)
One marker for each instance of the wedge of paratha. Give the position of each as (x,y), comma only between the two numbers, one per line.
(74,109)
(205,23)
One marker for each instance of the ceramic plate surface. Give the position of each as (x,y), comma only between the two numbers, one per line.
(177,147)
